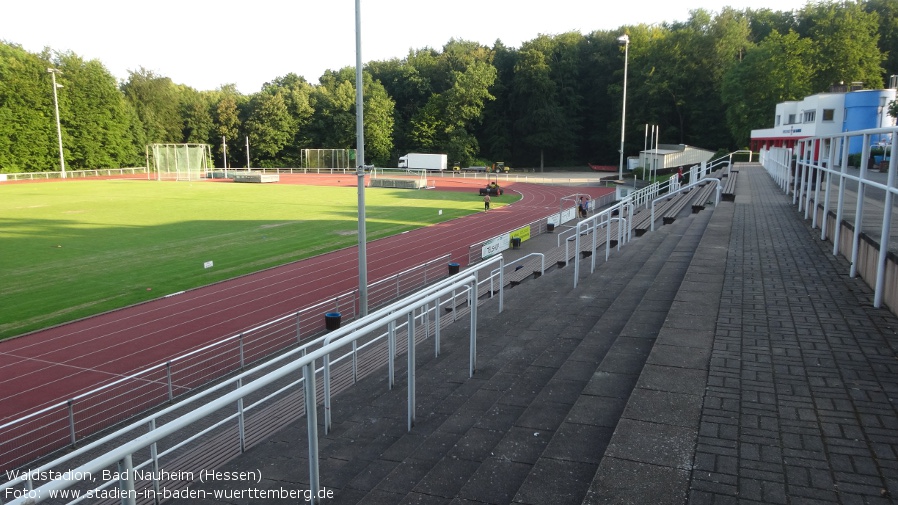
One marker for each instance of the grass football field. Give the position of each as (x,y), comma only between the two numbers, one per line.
(73,249)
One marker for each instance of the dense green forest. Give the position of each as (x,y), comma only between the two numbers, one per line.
(557,99)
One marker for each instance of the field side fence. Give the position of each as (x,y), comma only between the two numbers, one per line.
(502,241)
(75,174)
(531,177)
(168,449)
(67,423)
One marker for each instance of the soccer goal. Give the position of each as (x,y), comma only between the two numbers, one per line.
(178,162)
(327,158)
(398,178)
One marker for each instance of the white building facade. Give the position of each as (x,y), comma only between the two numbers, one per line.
(825,114)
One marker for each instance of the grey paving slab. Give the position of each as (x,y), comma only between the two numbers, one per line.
(623,482)
(664,407)
(495,481)
(555,481)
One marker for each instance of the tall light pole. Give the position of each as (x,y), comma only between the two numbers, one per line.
(625,40)
(360,161)
(53,73)
(247,152)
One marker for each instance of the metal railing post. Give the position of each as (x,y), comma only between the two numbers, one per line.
(391,353)
(886,228)
(355,361)
(126,467)
(859,210)
(652,223)
(817,196)
(241,426)
(799,166)
(425,314)
(472,366)
(595,245)
(840,205)
(436,329)
(311,403)
(71,406)
(620,232)
(577,255)
(809,177)
(171,392)
(240,345)
(501,284)
(154,455)
(608,238)
(798,195)
(830,161)
(326,377)
(410,353)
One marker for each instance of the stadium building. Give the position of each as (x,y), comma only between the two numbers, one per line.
(843,109)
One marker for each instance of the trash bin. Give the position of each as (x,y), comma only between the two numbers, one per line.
(516,243)
(332,320)
(550,227)
(453,268)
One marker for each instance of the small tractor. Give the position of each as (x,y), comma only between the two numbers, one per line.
(492,188)
(500,168)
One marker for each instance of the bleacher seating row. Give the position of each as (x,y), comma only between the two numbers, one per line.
(729,187)
(666,211)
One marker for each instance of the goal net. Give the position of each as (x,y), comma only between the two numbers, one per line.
(398,178)
(327,158)
(179,162)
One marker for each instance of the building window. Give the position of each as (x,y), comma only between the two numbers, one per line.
(829,114)
(810,116)
(777,120)
(791,119)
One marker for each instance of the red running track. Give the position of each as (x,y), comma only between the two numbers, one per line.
(51,366)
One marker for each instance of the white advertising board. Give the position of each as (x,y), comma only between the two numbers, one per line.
(495,245)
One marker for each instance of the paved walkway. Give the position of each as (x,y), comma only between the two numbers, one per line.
(725,358)
(802,386)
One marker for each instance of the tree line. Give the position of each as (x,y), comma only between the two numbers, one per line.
(556,100)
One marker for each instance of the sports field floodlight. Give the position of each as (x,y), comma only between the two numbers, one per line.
(360,163)
(624,40)
(53,73)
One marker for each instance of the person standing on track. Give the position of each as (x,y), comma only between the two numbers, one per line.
(486,202)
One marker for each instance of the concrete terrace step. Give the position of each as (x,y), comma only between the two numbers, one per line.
(554,372)
(622,341)
(522,404)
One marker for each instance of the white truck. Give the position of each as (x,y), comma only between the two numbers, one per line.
(420,161)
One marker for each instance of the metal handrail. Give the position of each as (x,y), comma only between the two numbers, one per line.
(164,370)
(346,331)
(816,157)
(729,159)
(306,361)
(604,218)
